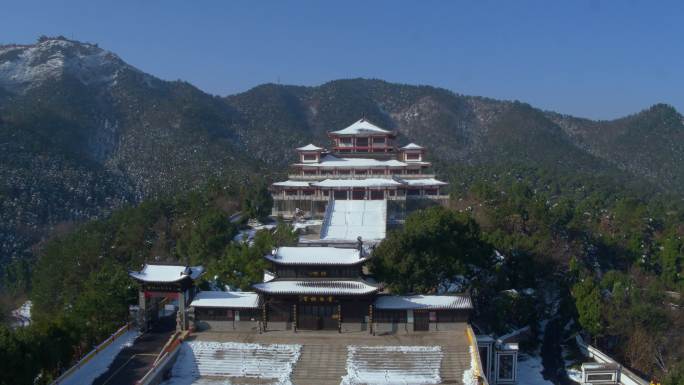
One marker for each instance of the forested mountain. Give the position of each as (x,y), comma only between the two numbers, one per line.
(82,133)
(585,215)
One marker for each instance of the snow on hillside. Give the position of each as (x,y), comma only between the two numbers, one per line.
(22,315)
(204,362)
(24,66)
(376,365)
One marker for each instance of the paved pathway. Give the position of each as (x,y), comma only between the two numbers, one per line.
(134,361)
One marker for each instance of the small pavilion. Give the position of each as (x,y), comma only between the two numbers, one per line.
(158,282)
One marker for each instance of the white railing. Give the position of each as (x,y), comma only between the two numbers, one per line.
(165,359)
(425,196)
(299,197)
(326,217)
(349,176)
(625,376)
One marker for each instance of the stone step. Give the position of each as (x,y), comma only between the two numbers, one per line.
(320,365)
(324,364)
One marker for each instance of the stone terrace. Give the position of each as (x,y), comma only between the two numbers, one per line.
(323,358)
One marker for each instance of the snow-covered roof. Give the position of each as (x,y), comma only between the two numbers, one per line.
(368,182)
(268,276)
(396,302)
(167,273)
(600,366)
(310,147)
(362,126)
(316,287)
(316,255)
(232,299)
(350,219)
(424,182)
(292,183)
(331,161)
(485,338)
(412,146)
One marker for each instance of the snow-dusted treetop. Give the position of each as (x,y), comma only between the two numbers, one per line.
(362,126)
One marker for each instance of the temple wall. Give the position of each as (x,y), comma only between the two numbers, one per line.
(354,327)
(286,208)
(446,326)
(278,325)
(226,326)
(382,328)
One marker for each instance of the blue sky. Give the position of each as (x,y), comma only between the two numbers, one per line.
(597,59)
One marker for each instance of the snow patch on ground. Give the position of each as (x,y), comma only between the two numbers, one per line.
(22,315)
(245,236)
(101,361)
(205,362)
(530,370)
(469,374)
(304,225)
(371,365)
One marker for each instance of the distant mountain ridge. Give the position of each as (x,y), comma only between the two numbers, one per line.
(82,133)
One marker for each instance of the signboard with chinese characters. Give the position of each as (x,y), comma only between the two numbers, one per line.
(316,298)
(162,294)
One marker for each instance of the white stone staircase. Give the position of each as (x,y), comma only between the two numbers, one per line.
(393,365)
(207,360)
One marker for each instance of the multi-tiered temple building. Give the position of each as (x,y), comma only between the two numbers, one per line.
(323,283)
(362,163)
